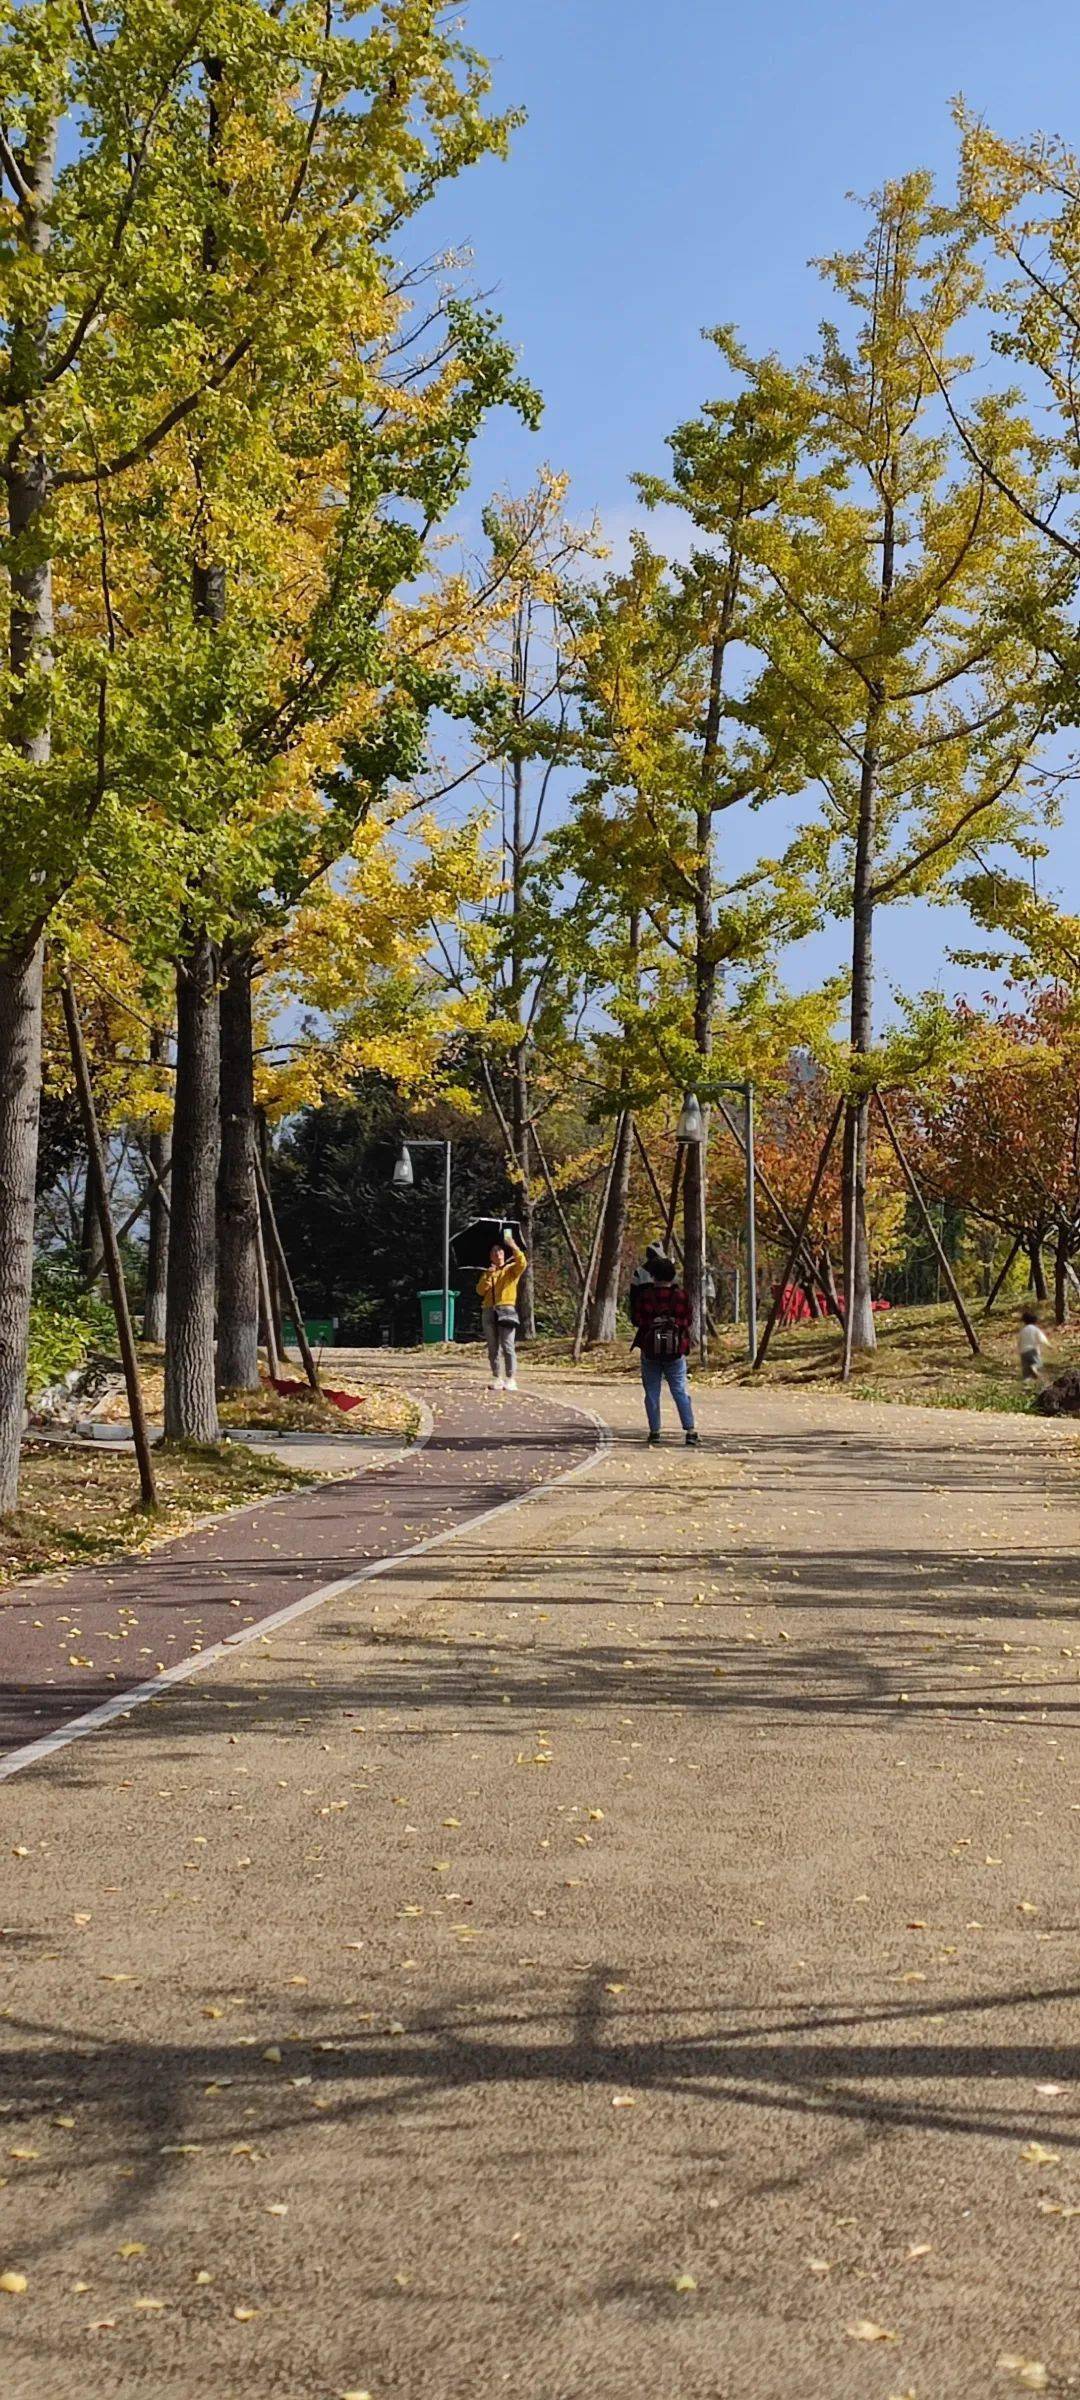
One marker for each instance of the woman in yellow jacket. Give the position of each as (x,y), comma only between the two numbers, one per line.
(498,1291)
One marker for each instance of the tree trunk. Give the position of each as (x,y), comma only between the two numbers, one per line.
(827,1279)
(20,1096)
(857,1115)
(603,1314)
(697,1157)
(861,1334)
(237,1199)
(28,489)
(190,1380)
(157,1246)
(190,1394)
(114,1265)
(697,1153)
(603,1317)
(159,1151)
(694,1183)
(1038,1275)
(1061,1277)
(519,1126)
(519,1066)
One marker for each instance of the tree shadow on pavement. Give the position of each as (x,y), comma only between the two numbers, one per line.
(143,2105)
(945,1659)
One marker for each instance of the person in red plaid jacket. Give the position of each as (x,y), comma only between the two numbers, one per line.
(662,1321)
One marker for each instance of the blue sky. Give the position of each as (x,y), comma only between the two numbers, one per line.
(681,165)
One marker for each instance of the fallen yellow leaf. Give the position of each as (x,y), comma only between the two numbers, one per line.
(865,2330)
(1036,2154)
(1030,2373)
(12,2281)
(684,2283)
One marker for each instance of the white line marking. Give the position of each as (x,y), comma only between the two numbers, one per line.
(123,1704)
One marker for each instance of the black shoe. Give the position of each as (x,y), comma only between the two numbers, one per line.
(692,1440)
(654,1441)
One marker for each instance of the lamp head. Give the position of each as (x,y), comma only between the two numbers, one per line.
(402,1177)
(691,1126)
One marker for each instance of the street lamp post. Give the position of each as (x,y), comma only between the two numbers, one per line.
(691,1131)
(403,1180)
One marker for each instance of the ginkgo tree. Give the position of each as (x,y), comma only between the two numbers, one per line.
(231,183)
(910,632)
(517,699)
(263,750)
(670,745)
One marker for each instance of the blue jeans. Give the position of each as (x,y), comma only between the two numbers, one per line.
(655,1372)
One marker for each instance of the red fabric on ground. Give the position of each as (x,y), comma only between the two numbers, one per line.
(286,1385)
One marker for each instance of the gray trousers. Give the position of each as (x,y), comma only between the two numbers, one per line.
(501,1346)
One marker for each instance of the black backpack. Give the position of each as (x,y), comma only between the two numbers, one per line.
(662,1339)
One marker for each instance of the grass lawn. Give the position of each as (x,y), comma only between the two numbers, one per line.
(268,1411)
(922,1358)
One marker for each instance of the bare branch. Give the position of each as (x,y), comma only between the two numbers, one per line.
(22,189)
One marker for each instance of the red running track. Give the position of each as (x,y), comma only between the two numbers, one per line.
(70,1642)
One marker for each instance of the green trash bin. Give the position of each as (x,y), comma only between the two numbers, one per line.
(320,1332)
(431,1316)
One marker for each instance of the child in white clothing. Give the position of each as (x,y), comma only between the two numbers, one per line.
(1031,1342)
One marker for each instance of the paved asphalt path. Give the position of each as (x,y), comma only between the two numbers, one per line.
(629,1953)
(69,1642)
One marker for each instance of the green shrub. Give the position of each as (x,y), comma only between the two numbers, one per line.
(65,1323)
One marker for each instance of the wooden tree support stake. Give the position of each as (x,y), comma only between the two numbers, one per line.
(655,1188)
(662,1205)
(158,1183)
(266,1305)
(594,1252)
(999,1279)
(278,1247)
(800,1237)
(110,1246)
(929,1227)
(560,1213)
(132,1218)
(806,1265)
